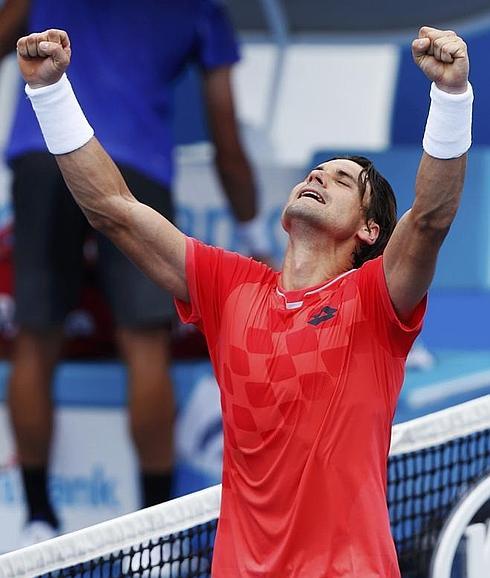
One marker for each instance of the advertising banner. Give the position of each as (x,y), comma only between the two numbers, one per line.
(464,543)
(93,475)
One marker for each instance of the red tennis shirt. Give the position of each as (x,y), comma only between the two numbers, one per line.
(309,381)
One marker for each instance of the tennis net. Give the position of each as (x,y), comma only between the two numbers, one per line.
(433,461)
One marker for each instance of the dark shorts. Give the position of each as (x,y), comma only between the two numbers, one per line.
(50,231)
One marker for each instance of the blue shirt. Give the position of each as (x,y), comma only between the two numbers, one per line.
(126,55)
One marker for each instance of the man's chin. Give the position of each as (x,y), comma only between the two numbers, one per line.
(302,216)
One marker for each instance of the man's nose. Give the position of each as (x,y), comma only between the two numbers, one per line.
(315,175)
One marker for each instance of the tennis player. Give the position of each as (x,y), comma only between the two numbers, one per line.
(309,360)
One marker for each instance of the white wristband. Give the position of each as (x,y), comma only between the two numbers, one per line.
(252,236)
(60,117)
(448,129)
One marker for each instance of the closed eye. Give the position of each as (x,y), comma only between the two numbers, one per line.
(344,178)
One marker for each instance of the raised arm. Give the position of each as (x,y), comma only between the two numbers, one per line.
(411,254)
(145,236)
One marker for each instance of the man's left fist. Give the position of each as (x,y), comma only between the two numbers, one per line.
(443,57)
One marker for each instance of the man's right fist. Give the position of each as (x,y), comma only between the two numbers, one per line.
(43,57)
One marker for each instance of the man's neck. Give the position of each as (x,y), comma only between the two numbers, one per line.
(309,264)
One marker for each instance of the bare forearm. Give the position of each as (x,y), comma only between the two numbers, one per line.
(410,256)
(145,236)
(238,183)
(438,190)
(231,160)
(94,181)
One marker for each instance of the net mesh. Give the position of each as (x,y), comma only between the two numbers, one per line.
(423,488)
(433,462)
(184,554)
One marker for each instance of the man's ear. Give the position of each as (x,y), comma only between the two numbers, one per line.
(369,232)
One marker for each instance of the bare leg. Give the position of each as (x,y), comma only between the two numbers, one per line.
(151,406)
(31,412)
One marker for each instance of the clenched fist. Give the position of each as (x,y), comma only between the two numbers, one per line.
(443,58)
(43,57)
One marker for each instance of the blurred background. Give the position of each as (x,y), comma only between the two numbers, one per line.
(315,78)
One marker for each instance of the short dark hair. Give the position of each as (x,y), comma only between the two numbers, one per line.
(381,209)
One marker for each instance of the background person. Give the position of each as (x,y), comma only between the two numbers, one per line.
(310,361)
(127,94)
